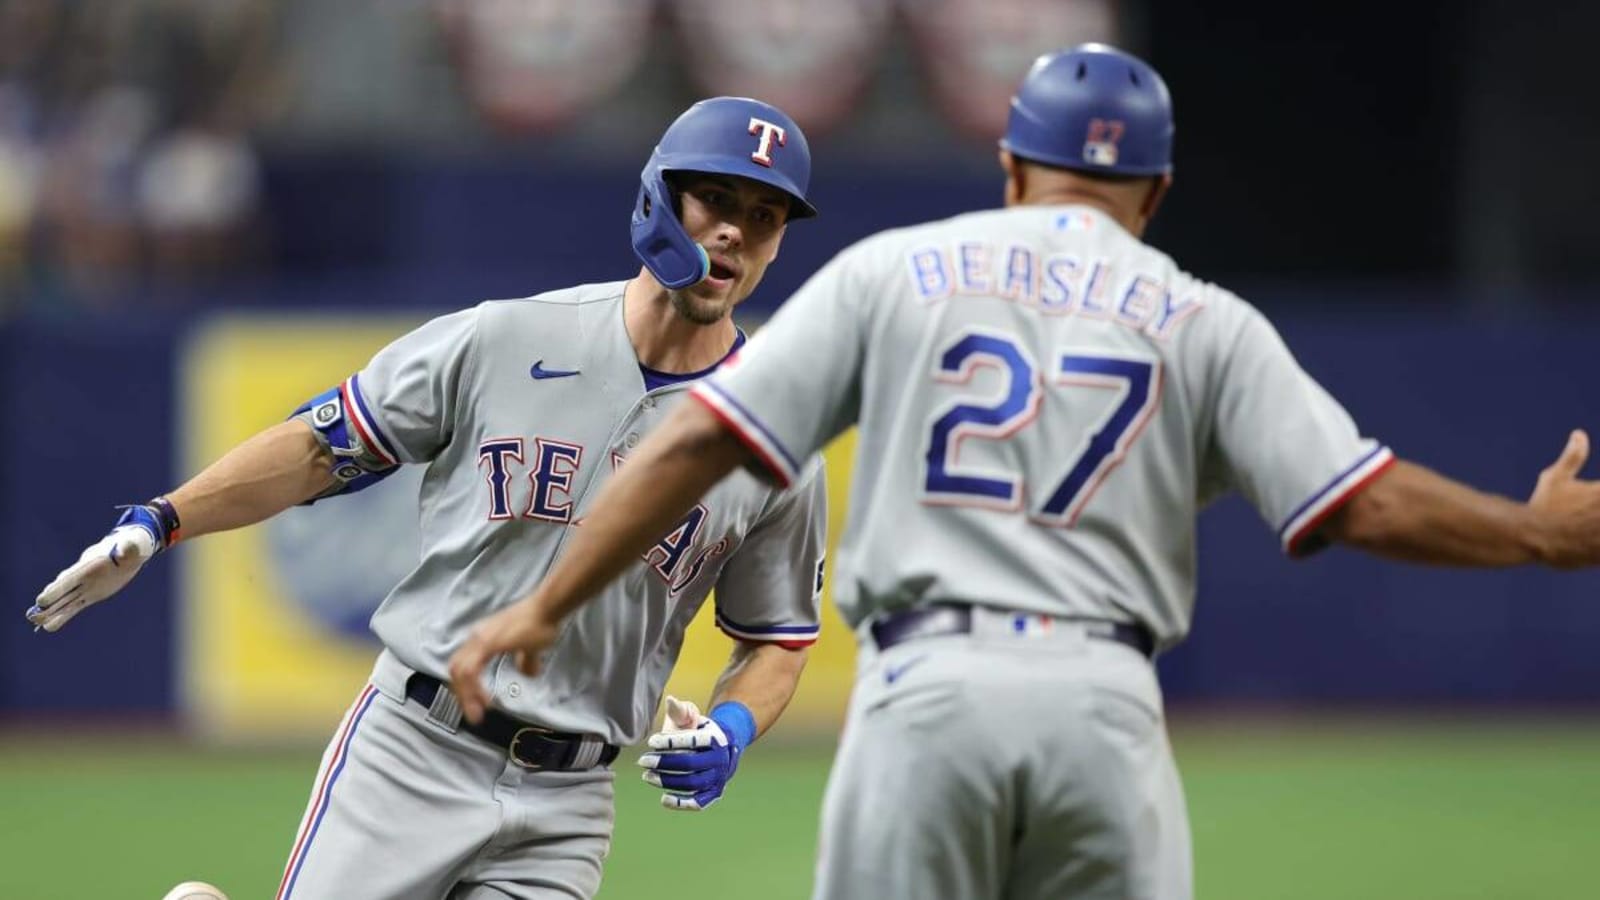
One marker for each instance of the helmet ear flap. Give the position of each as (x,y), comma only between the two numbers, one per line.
(666,250)
(672,192)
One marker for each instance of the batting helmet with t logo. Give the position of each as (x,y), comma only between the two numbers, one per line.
(720,136)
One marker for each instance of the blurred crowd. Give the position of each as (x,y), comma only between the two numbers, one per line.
(124,148)
(137,136)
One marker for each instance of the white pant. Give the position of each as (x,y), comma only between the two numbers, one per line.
(402,808)
(1005,765)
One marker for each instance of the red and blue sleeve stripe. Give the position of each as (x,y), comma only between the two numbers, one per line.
(366,424)
(1299,530)
(791,636)
(750,431)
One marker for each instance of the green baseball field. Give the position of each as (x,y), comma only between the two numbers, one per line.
(1305,809)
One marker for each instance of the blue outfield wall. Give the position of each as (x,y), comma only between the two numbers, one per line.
(1483,400)
(90,423)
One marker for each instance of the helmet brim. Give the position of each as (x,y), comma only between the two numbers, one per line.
(708,164)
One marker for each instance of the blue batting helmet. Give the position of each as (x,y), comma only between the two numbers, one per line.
(723,136)
(1093,108)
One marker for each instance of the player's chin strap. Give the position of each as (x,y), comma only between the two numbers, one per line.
(157,517)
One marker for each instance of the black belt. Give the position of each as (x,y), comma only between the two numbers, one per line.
(956,618)
(529,746)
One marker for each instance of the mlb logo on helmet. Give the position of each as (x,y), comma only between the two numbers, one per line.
(1100,147)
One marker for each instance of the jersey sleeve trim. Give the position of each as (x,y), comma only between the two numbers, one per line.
(748,429)
(791,636)
(374,438)
(1304,521)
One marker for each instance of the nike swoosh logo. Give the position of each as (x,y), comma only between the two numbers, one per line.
(540,372)
(892,674)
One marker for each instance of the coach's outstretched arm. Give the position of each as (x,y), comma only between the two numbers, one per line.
(674,467)
(1415,514)
(278,468)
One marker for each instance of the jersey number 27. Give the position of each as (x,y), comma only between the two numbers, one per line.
(1137,381)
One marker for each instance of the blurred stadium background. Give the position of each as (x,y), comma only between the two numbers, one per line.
(211,209)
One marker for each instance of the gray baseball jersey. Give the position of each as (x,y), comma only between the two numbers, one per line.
(1045,405)
(520,409)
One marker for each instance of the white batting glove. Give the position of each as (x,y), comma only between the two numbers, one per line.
(100,571)
(677,717)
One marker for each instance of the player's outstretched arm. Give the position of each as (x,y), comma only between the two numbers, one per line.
(662,481)
(266,474)
(1415,514)
(272,471)
(694,756)
(281,467)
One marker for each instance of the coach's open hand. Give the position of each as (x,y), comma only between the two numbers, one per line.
(1568,508)
(520,629)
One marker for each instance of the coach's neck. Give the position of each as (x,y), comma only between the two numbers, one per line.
(1129,199)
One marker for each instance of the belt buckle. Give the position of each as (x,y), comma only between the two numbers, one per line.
(516,739)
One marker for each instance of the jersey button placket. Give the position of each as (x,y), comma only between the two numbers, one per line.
(632,440)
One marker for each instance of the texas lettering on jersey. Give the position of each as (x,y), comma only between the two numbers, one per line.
(518,410)
(550,472)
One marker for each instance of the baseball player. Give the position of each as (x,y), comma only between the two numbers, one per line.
(520,409)
(1045,403)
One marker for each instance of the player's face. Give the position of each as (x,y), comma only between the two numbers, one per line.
(740,223)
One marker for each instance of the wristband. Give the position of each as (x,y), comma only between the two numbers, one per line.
(737,722)
(158,517)
(167,514)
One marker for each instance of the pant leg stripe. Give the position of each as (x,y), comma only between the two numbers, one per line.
(308,831)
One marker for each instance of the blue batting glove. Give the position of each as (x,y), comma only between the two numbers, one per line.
(695,756)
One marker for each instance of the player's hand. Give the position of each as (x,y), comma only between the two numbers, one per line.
(693,756)
(1569,508)
(100,571)
(521,630)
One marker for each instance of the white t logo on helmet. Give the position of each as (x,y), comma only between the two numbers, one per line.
(769,132)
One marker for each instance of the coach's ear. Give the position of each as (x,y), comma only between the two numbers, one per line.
(1014,177)
(1158,192)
